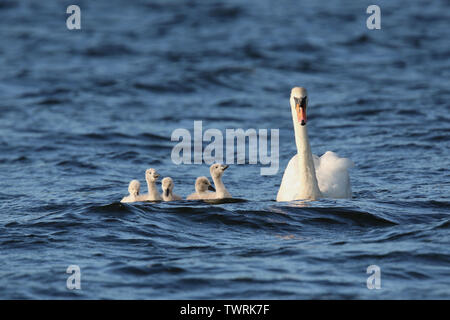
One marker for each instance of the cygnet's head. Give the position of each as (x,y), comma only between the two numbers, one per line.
(299,102)
(134,187)
(202,184)
(217,170)
(151,175)
(167,186)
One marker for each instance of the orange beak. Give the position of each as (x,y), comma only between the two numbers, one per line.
(301,114)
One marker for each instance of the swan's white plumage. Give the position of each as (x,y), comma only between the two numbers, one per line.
(167,188)
(331,172)
(151,176)
(308,177)
(202,185)
(332,175)
(133,188)
(217,171)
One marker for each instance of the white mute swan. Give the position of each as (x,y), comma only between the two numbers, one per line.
(308,177)
(202,185)
(167,187)
(217,171)
(133,189)
(151,176)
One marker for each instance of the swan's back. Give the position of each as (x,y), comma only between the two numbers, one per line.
(332,175)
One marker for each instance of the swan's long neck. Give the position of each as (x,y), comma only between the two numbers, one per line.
(152,190)
(309,187)
(169,197)
(221,191)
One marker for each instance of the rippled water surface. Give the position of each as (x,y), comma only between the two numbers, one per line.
(84,112)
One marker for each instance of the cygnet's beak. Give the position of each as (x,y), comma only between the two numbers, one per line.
(156,175)
(211,188)
(224,167)
(300,108)
(167,192)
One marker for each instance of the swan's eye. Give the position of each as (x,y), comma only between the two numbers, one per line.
(304,100)
(301,101)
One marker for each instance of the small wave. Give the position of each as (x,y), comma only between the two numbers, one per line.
(21,159)
(361,39)
(107,50)
(105,136)
(398,235)
(153,136)
(132,270)
(52,101)
(338,215)
(45,93)
(420,204)
(411,112)
(295,47)
(225,13)
(70,164)
(234,103)
(443,225)
(128,155)
(439,137)
(221,201)
(116,208)
(166,87)
(104,82)
(4,5)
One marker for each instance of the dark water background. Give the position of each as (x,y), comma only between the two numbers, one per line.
(84,112)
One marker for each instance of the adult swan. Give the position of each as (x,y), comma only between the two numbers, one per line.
(308,177)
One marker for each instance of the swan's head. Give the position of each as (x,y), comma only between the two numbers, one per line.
(217,170)
(134,187)
(167,186)
(299,102)
(202,184)
(151,175)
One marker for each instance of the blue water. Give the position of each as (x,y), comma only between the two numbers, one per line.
(84,112)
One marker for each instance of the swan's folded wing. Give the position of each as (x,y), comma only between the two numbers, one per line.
(332,175)
(143,197)
(290,184)
(193,196)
